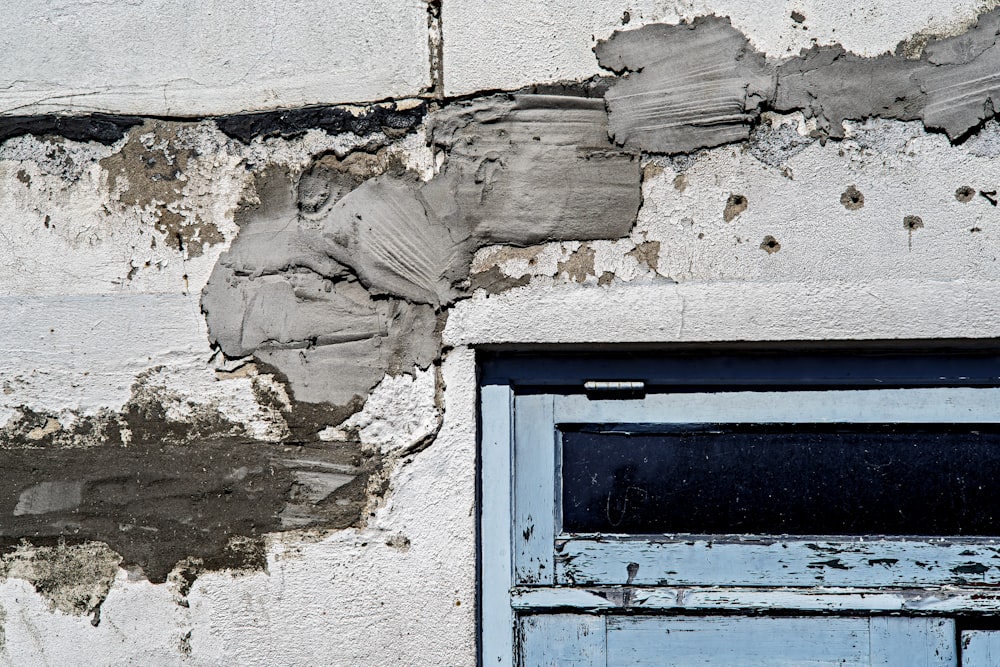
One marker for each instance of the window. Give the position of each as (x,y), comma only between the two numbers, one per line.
(720,505)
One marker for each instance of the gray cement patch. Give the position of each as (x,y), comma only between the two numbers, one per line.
(700,84)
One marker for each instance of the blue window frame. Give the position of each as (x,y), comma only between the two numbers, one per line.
(558,428)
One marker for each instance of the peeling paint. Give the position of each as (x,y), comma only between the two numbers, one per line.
(735,205)
(770,245)
(149,173)
(75,579)
(965,194)
(647,252)
(579,265)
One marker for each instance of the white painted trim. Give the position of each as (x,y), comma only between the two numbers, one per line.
(729,311)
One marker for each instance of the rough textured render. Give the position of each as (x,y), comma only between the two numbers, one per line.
(385,232)
(190,58)
(278,292)
(700,84)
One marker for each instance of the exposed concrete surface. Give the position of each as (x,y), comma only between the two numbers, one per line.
(74,579)
(336,276)
(191,58)
(539,168)
(155,504)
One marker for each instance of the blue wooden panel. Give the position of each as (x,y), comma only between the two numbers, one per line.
(980,648)
(962,405)
(534,489)
(497,618)
(562,640)
(913,642)
(859,601)
(649,641)
(778,562)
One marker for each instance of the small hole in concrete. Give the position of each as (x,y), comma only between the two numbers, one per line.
(965,194)
(852,199)
(735,205)
(770,244)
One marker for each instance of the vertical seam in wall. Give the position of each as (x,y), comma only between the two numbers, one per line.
(435,43)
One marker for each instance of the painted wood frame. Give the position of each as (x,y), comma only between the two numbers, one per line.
(530,567)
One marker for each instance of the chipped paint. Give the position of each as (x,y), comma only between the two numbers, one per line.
(75,579)
(149,173)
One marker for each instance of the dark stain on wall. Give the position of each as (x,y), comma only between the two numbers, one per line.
(156,503)
(103,128)
(287,123)
(109,128)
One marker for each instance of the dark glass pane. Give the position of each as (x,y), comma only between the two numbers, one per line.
(858,479)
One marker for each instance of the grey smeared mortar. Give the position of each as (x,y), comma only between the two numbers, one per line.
(701,84)
(335,282)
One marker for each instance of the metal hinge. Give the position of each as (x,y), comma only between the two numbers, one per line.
(615,388)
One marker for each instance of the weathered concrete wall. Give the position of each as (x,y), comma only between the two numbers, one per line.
(237,378)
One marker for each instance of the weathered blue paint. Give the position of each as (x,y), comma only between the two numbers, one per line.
(496,563)
(691,561)
(872,406)
(980,648)
(563,640)
(590,579)
(646,641)
(534,489)
(758,599)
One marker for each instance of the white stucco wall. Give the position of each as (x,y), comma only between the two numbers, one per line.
(515,44)
(77,334)
(190,58)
